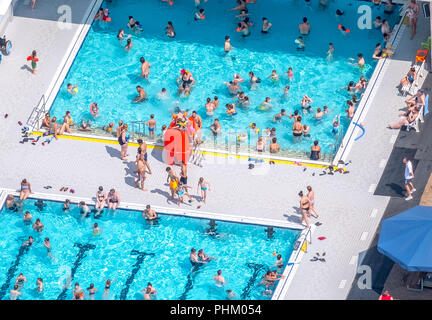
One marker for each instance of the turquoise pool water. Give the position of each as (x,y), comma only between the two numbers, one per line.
(107,74)
(131,253)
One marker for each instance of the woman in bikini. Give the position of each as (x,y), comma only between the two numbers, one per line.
(297,129)
(113,200)
(25,190)
(100,199)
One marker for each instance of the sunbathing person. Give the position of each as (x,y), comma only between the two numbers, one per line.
(409,78)
(406,119)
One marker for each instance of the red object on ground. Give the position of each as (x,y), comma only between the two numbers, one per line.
(20,123)
(6,115)
(322,238)
(177,146)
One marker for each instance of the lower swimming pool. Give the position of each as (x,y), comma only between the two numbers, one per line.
(107,74)
(131,252)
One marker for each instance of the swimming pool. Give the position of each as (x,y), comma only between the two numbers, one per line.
(107,74)
(131,253)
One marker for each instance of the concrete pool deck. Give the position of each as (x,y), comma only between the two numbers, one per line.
(349,212)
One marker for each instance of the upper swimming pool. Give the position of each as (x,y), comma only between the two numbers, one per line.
(131,253)
(107,74)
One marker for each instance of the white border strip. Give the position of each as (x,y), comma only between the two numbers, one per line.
(295,258)
(368,97)
(165,210)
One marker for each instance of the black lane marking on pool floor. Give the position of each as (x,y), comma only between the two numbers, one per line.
(137,266)
(83,248)
(12,270)
(257,269)
(190,280)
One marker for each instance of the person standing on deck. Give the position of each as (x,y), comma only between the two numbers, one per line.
(409,175)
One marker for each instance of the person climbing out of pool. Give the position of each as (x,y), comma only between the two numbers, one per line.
(170,30)
(300,43)
(25,190)
(254,81)
(113,199)
(304,27)
(200,15)
(315,151)
(34,60)
(274,76)
(219,279)
(72,89)
(142,95)
(297,129)
(94,109)
(128,45)
(305,103)
(227,45)
(215,127)
(278,117)
(233,87)
(145,68)
(265,26)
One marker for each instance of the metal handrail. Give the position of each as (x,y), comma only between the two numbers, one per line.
(35,116)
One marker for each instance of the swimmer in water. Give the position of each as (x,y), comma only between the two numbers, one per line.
(339,13)
(227,46)
(330,52)
(170,30)
(145,68)
(304,27)
(149,213)
(39,285)
(305,103)
(203,257)
(209,107)
(319,114)
(142,95)
(38,226)
(278,117)
(300,43)
(215,127)
(121,35)
(274,76)
(72,89)
(47,245)
(360,61)
(266,105)
(219,279)
(377,22)
(290,73)
(233,87)
(27,217)
(193,258)
(265,26)
(200,15)
(254,81)
(15,293)
(129,45)
(94,109)
(336,125)
(96,230)
(85,210)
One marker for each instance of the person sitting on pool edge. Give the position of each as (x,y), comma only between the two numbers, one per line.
(315,151)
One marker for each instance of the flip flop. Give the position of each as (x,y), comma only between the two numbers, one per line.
(20,123)
(6,115)
(65,189)
(198,207)
(345,172)
(322,238)
(314,259)
(304,169)
(72,191)
(322,260)
(313,174)
(318,224)
(62,188)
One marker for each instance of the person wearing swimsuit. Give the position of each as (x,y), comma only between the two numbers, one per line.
(92,290)
(315,151)
(113,200)
(203,185)
(123,142)
(297,128)
(413,13)
(107,289)
(100,199)
(304,207)
(25,190)
(194,259)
